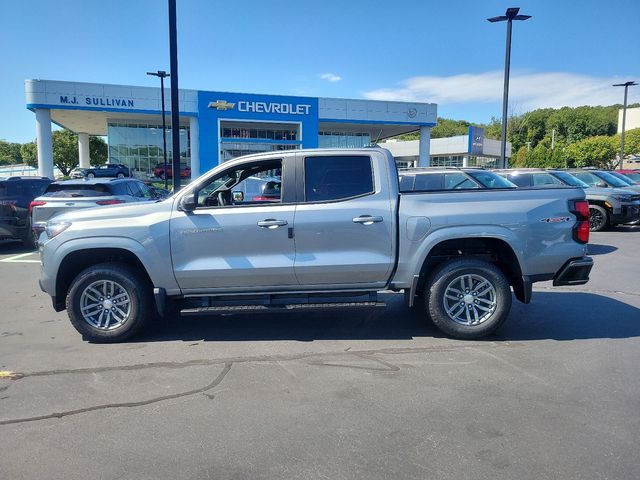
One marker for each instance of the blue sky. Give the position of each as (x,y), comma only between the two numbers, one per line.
(441,51)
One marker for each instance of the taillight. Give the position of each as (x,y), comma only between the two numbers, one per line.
(109,202)
(582,209)
(581,228)
(35,204)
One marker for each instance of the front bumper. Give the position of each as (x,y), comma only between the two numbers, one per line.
(574,272)
(628,213)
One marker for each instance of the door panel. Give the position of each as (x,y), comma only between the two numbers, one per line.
(217,248)
(334,245)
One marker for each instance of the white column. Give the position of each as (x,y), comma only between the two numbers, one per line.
(194,133)
(44,142)
(424,148)
(465,161)
(83,150)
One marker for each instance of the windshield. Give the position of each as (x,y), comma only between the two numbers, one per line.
(633,176)
(622,177)
(491,180)
(616,182)
(570,179)
(77,190)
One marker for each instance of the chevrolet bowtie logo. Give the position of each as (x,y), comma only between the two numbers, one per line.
(222,105)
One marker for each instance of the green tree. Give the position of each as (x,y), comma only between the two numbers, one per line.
(98,151)
(29,154)
(65,151)
(631,142)
(598,151)
(9,153)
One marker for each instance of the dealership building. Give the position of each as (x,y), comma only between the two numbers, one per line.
(214,126)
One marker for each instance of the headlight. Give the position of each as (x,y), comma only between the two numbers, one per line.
(56,228)
(622,198)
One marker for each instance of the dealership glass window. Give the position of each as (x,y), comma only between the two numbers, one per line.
(482,162)
(140,147)
(236,138)
(447,161)
(344,139)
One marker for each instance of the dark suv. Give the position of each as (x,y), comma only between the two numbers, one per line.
(110,170)
(16,194)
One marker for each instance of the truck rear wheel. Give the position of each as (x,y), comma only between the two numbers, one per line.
(468,298)
(109,302)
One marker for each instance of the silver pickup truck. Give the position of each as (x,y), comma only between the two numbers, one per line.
(333,232)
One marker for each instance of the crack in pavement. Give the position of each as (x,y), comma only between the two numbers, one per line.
(211,385)
(264,358)
(365,354)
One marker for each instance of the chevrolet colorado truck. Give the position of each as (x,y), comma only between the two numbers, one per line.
(336,232)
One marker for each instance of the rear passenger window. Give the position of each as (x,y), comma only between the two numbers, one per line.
(337,177)
(134,190)
(406,183)
(458,181)
(545,179)
(430,181)
(520,180)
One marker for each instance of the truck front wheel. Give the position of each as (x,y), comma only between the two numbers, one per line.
(109,302)
(468,298)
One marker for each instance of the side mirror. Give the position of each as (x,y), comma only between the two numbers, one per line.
(188,203)
(238,196)
(602,185)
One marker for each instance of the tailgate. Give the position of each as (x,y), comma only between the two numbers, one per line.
(58,206)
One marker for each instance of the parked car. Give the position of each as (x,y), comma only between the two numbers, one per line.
(159,171)
(607,206)
(110,170)
(341,232)
(16,193)
(443,178)
(632,174)
(64,196)
(625,178)
(602,179)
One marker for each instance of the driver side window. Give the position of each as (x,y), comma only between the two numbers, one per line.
(247,184)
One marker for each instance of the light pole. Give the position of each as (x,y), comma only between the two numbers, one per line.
(162,75)
(175,109)
(626,86)
(510,15)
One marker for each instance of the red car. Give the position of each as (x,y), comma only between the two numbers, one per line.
(159,171)
(631,174)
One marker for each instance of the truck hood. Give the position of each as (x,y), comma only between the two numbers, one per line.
(128,210)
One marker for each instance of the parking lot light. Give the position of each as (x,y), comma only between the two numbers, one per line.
(510,15)
(626,86)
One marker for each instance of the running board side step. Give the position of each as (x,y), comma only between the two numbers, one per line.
(294,307)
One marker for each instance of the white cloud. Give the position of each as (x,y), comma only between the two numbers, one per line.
(330,77)
(527,90)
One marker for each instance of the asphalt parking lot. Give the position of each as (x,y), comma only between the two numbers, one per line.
(367,394)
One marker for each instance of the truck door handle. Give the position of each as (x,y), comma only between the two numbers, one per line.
(272,223)
(367,219)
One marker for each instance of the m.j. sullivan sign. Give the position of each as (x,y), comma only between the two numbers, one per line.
(96,101)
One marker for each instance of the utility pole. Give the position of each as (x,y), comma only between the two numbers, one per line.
(162,75)
(175,109)
(510,15)
(626,86)
(553,138)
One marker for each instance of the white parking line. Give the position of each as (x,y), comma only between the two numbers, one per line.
(19,258)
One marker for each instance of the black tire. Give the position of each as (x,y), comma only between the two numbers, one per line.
(446,277)
(120,175)
(29,240)
(598,218)
(138,290)
(91,175)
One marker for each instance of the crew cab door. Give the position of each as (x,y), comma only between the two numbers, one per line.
(344,221)
(236,241)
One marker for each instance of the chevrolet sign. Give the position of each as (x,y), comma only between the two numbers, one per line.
(263,107)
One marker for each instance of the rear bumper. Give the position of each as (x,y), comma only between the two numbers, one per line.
(574,272)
